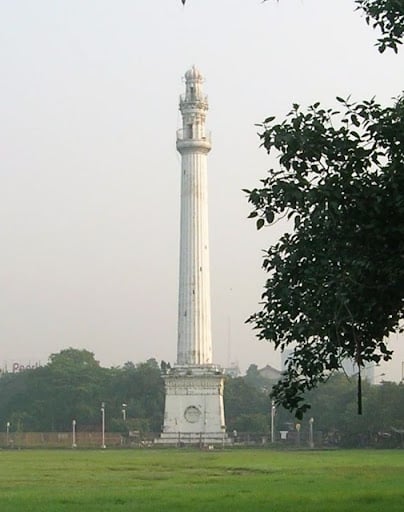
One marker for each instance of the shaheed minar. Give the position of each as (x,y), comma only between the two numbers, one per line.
(194,410)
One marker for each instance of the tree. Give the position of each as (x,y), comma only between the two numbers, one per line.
(141,388)
(246,406)
(77,386)
(50,397)
(388,17)
(335,285)
(334,411)
(73,385)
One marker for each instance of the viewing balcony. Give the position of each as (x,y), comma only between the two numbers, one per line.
(186,140)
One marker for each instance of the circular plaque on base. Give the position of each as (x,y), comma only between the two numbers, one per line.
(192,414)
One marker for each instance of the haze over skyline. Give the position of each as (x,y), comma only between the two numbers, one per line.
(90,176)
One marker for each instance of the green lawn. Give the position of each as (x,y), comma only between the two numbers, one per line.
(185,480)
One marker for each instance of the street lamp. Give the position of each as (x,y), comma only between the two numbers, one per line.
(74,445)
(298,427)
(103,424)
(311,441)
(273,411)
(7,432)
(124,406)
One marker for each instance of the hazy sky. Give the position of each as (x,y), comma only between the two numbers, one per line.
(89,173)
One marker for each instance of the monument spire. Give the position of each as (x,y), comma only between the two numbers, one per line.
(194,316)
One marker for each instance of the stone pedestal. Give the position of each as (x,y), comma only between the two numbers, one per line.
(194,412)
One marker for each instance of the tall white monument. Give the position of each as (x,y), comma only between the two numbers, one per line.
(194,410)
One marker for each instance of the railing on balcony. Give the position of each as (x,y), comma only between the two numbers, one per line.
(194,98)
(183,135)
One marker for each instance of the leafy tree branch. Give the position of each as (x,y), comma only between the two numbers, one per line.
(335,283)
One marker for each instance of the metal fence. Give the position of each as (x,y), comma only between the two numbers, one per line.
(60,440)
(17,440)
(135,439)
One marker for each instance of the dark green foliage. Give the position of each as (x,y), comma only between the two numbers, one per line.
(335,285)
(254,378)
(388,17)
(50,397)
(73,385)
(246,406)
(141,387)
(334,410)
(42,400)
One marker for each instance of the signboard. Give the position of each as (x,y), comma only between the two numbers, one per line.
(19,366)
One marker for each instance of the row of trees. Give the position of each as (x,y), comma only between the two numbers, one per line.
(73,385)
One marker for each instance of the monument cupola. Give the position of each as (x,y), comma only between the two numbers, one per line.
(193,87)
(193,107)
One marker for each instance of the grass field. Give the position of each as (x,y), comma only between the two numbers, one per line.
(185,480)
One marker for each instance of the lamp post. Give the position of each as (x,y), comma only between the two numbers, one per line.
(124,406)
(103,425)
(298,427)
(273,411)
(74,423)
(311,441)
(7,432)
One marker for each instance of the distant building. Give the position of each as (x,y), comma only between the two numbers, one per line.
(264,378)
(233,370)
(270,373)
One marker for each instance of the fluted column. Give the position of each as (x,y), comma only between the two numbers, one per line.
(194,322)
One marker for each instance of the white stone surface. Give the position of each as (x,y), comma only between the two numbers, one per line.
(194,411)
(194,322)
(194,406)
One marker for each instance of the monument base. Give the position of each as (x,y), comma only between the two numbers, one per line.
(194,411)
